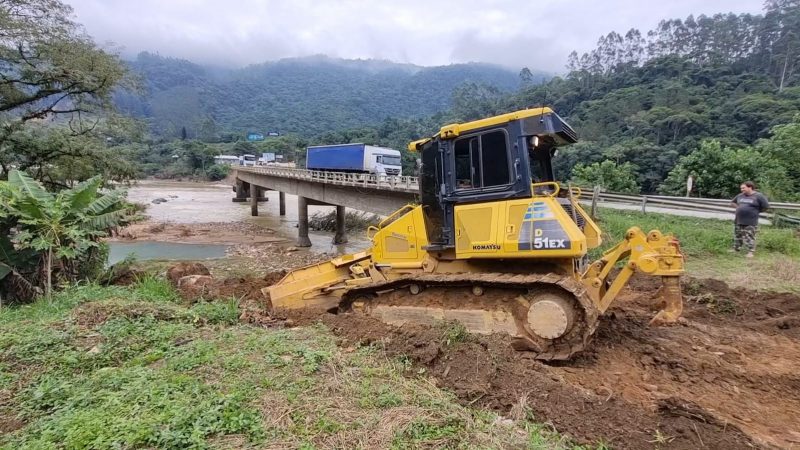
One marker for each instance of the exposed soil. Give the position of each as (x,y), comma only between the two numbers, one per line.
(9,423)
(725,377)
(93,314)
(198,233)
(273,256)
(184,269)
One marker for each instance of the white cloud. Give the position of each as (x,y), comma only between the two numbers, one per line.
(513,33)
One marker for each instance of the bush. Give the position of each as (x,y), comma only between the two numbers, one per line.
(218,172)
(608,175)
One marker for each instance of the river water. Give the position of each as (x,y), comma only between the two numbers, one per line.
(189,202)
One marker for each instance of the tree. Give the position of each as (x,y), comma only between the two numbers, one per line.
(218,172)
(59,158)
(525,77)
(472,101)
(62,228)
(608,175)
(244,148)
(49,69)
(780,31)
(718,171)
(197,154)
(784,146)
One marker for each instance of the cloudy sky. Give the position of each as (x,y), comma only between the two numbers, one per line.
(513,33)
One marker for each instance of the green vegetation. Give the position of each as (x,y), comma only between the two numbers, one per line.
(608,175)
(45,236)
(218,172)
(699,237)
(353,221)
(652,98)
(705,243)
(301,96)
(129,367)
(56,88)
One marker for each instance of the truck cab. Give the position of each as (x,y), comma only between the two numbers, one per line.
(388,158)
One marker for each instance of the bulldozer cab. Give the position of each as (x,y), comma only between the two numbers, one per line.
(495,159)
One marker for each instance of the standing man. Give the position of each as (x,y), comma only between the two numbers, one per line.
(748,205)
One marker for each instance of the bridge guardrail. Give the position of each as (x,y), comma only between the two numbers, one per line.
(712,205)
(411,185)
(404,183)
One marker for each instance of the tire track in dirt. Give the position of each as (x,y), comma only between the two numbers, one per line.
(725,377)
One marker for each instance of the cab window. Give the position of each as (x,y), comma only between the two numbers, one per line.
(482,161)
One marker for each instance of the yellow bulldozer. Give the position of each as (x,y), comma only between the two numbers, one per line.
(495,243)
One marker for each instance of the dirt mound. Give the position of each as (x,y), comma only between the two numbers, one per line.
(726,377)
(769,312)
(185,269)
(247,290)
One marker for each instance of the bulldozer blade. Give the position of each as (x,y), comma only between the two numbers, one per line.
(316,286)
(671,300)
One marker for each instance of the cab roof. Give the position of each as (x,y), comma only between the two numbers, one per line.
(549,124)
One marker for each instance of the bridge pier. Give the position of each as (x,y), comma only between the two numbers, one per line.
(254,200)
(341,233)
(282,203)
(241,191)
(302,222)
(245,190)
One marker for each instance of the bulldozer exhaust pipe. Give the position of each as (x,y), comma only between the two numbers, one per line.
(671,301)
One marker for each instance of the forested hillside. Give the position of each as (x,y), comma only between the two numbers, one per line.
(714,97)
(651,98)
(306,96)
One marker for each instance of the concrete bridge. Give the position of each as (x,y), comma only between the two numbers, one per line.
(365,192)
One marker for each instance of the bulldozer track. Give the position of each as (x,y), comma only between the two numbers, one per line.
(546,349)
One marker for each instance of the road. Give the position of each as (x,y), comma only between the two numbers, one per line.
(671,211)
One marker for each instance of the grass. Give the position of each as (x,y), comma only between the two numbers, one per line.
(132,367)
(705,243)
(699,237)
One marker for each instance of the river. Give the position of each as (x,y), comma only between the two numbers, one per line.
(194,203)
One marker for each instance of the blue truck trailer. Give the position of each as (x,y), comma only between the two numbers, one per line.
(354,158)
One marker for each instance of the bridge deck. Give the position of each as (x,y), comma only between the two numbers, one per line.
(397,184)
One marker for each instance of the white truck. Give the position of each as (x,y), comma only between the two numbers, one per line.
(354,158)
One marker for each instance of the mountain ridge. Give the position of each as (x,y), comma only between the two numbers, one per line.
(305,95)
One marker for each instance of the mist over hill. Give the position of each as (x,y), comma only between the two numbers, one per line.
(306,96)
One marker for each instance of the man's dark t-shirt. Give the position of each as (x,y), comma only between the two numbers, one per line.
(748,207)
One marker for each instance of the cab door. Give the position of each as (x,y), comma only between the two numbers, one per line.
(476,229)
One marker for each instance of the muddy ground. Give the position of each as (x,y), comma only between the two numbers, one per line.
(198,233)
(728,376)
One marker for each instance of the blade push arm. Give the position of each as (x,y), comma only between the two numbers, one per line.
(653,254)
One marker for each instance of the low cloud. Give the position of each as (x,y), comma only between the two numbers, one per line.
(510,33)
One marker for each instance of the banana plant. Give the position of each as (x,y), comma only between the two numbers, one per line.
(60,227)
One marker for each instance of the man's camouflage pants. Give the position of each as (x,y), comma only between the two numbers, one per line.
(744,236)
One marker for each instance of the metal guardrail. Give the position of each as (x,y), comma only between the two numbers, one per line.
(395,183)
(711,205)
